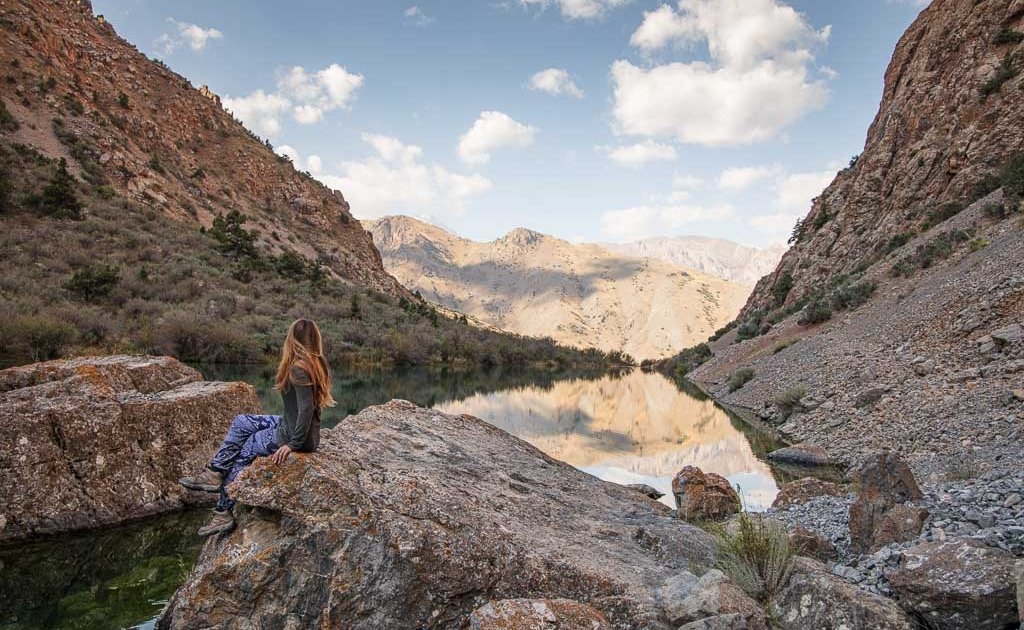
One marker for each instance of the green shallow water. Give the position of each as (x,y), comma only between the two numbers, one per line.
(112,578)
(628,428)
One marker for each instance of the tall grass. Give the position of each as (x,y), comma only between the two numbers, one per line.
(756,554)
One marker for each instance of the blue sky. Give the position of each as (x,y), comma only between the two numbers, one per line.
(594,120)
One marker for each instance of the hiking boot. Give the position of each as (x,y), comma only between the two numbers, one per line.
(206,481)
(221,522)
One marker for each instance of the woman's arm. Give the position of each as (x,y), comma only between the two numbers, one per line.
(303,385)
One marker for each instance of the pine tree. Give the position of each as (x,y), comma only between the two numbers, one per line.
(58,198)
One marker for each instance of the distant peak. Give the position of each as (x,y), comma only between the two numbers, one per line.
(523,236)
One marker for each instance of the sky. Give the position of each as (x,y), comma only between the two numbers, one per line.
(592,120)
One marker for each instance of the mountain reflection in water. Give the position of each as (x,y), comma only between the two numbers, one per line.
(634,428)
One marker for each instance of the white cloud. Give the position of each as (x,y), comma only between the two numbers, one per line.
(687,181)
(758,81)
(555,81)
(289,152)
(307,95)
(742,177)
(577,9)
(491,131)
(395,180)
(415,15)
(636,155)
(260,111)
(314,164)
(195,36)
(645,221)
(793,196)
(796,191)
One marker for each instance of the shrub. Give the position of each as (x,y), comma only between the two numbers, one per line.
(38,337)
(122,100)
(1005,72)
(7,120)
(752,327)
(690,359)
(756,555)
(739,378)
(943,213)
(232,237)
(722,331)
(1012,179)
(58,198)
(204,339)
(978,243)
(797,234)
(789,401)
(816,312)
(782,345)
(852,295)
(781,289)
(1008,36)
(291,265)
(93,282)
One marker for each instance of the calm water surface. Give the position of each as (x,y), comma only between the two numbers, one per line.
(628,428)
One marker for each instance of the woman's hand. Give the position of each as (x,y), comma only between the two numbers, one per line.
(280,455)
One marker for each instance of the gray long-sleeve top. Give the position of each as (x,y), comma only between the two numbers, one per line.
(300,426)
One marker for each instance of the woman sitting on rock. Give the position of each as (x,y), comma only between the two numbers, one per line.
(304,381)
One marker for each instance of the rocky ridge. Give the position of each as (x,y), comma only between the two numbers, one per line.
(97,441)
(714,256)
(81,92)
(578,294)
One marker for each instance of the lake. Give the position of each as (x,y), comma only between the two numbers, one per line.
(632,427)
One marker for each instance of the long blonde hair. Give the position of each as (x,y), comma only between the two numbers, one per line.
(304,348)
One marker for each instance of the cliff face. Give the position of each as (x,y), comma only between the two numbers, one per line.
(902,324)
(578,294)
(80,91)
(946,121)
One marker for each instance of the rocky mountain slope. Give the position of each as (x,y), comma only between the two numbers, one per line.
(81,92)
(714,256)
(583,295)
(895,320)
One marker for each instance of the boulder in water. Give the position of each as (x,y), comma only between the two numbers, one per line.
(97,441)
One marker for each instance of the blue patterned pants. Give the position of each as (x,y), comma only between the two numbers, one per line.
(249,437)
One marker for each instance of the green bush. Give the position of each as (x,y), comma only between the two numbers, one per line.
(852,295)
(782,345)
(1012,179)
(690,359)
(232,237)
(739,378)
(722,331)
(39,337)
(781,289)
(93,282)
(1005,72)
(7,120)
(58,198)
(207,340)
(756,555)
(815,312)
(122,100)
(789,401)
(1008,36)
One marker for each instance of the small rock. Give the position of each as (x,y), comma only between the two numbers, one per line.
(646,490)
(703,496)
(802,454)
(802,490)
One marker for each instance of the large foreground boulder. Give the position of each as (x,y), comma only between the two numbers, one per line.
(814,599)
(536,614)
(97,441)
(957,584)
(411,518)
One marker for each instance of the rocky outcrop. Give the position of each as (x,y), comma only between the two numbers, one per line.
(814,598)
(703,496)
(957,584)
(879,515)
(802,490)
(536,614)
(646,490)
(936,135)
(160,142)
(97,441)
(408,517)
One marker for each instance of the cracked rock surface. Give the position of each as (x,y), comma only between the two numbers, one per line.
(412,518)
(89,442)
